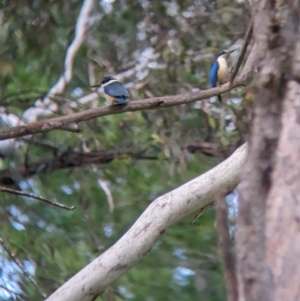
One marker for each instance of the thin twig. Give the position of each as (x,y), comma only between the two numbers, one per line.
(226,249)
(201,211)
(16,261)
(30,195)
(247,40)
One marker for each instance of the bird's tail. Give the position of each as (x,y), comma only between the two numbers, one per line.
(220,99)
(121,101)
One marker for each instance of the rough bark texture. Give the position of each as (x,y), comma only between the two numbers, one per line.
(283,203)
(275,33)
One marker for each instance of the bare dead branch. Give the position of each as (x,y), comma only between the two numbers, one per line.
(20,266)
(33,196)
(227,254)
(138,105)
(72,159)
(211,149)
(68,159)
(249,67)
(247,40)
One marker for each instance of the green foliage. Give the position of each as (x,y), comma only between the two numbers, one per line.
(53,244)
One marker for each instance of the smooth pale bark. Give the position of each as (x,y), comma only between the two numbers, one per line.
(141,237)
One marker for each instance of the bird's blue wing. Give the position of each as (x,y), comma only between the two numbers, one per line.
(214,73)
(116,89)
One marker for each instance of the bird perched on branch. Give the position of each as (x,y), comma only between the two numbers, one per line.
(113,90)
(219,70)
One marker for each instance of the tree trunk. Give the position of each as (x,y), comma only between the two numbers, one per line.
(268,258)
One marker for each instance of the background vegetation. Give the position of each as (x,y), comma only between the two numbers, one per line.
(160,48)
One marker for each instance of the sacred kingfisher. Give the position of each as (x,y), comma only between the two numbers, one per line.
(219,70)
(113,90)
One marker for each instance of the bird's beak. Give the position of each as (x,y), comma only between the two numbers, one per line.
(96,86)
(230,51)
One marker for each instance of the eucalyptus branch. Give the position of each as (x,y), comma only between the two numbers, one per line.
(92,280)
(82,26)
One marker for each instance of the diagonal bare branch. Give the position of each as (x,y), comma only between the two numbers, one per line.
(247,40)
(138,105)
(33,196)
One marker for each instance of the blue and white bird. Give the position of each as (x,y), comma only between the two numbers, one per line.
(219,70)
(113,90)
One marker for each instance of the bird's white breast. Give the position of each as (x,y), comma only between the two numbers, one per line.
(110,98)
(223,69)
